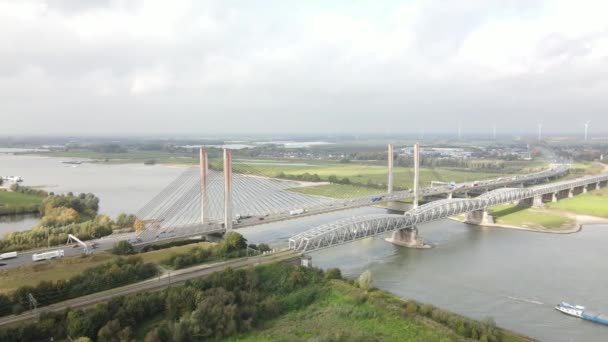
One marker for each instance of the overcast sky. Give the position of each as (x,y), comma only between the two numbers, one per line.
(212,67)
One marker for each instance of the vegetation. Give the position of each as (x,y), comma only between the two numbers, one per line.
(234,245)
(259,304)
(529,217)
(70,266)
(123,248)
(14,203)
(336,190)
(593,203)
(119,271)
(63,215)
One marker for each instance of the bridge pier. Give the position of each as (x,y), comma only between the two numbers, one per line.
(571,193)
(537,201)
(479,217)
(554,197)
(597,186)
(407,237)
(585,189)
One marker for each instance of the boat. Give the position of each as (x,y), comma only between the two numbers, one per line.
(76,162)
(580,312)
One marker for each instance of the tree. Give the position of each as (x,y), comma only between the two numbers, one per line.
(123,248)
(139,225)
(262,247)
(79,324)
(365,280)
(234,241)
(333,273)
(109,332)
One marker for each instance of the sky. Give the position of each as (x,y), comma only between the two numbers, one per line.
(216,67)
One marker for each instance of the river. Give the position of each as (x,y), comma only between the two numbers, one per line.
(516,277)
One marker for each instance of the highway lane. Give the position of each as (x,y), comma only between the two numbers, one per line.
(103,244)
(155,284)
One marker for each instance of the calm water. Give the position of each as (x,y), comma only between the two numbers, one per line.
(515,277)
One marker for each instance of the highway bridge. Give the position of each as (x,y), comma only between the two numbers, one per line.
(404,227)
(203,201)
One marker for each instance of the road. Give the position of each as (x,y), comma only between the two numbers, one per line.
(154,284)
(103,244)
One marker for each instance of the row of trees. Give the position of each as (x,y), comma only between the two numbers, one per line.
(223,304)
(117,272)
(234,245)
(28,190)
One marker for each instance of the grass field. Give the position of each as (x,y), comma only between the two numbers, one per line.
(529,217)
(337,191)
(16,199)
(593,203)
(68,267)
(347,313)
(364,173)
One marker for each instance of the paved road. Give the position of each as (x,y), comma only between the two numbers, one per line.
(154,284)
(104,244)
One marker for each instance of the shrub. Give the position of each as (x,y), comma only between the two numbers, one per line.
(365,280)
(123,248)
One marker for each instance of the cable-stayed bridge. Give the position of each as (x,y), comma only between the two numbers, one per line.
(217,198)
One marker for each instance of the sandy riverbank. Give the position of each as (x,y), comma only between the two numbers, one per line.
(578,222)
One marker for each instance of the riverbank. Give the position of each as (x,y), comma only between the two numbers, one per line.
(575,224)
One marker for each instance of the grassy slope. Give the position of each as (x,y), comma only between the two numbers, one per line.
(342,314)
(15,199)
(594,203)
(529,217)
(68,267)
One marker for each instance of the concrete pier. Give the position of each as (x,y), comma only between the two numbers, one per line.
(407,237)
(479,217)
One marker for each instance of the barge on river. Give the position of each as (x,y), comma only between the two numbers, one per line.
(580,312)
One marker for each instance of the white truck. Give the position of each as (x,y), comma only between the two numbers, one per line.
(9,255)
(58,253)
(296,211)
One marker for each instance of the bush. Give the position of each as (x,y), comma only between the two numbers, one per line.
(333,273)
(123,248)
(365,280)
(411,307)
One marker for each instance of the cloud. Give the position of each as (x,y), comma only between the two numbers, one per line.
(222,66)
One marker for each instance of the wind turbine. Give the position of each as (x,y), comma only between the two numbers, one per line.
(586,129)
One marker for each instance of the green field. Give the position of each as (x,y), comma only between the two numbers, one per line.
(347,313)
(337,191)
(16,199)
(365,173)
(529,217)
(593,203)
(68,267)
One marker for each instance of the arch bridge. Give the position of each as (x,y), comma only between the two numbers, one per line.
(360,227)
